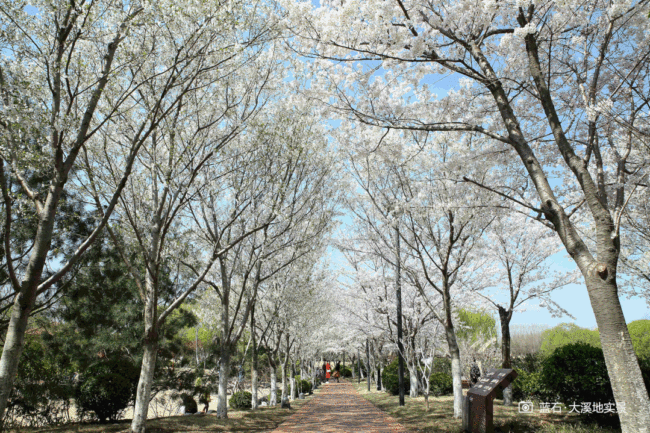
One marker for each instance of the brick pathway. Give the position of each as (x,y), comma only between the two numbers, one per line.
(340,408)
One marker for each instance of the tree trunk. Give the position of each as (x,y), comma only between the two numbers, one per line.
(415,385)
(504,317)
(254,361)
(26,298)
(284,376)
(292,381)
(456,371)
(622,364)
(273,398)
(143,395)
(368,363)
(379,376)
(224,370)
(454,351)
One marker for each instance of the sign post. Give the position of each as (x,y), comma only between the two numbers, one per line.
(478,410)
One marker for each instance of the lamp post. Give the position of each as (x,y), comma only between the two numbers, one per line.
(396,211)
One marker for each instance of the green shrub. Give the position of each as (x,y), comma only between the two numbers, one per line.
(567,333)
(106,388)
(241,400)
(42,389)
(440,384)
(441,365)
(640,334)
(577,373)
(304,386)
(528,386)
(346,372)
(390,379)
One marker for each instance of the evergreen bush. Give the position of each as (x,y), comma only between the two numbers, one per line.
(241,400)
(42,390)
(106,388)
(440,384)
(346,372)
(577,373)
(441,365)
(390,379)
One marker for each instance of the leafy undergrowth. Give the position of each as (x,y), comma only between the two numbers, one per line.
(440,418)
(262,419)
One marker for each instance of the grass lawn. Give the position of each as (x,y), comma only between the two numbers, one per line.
(262,419)
(440,418)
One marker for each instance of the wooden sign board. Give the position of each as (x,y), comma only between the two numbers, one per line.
(478,410)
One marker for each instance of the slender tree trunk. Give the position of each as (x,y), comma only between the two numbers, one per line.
(196,345)
(415,385)
(368,363)
(273,399)
(359,367)
(504,317)
(292,381)
(427,389)
(143,395)
(254,361)
(26,298)
(224,370)
(454,351)
(224,362)
(379,376)
(284,376)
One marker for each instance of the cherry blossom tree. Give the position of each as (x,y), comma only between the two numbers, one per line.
(556,86)
(519,249)
(71,72)
(441,222)
(292,186)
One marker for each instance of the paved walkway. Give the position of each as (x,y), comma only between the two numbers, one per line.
(340,408)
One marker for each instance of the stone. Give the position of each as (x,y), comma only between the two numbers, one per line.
(210,412)
(285,403)
(262,404)
(478,410)
(301,396)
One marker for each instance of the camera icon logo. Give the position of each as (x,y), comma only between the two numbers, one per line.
(525,407)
